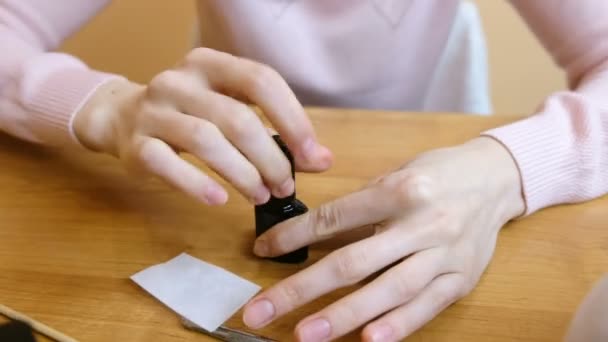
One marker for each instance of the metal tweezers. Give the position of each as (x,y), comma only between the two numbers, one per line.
(227,334)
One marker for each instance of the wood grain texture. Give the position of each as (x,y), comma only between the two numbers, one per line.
(74,226)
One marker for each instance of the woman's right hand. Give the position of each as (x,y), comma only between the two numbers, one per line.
(200,107)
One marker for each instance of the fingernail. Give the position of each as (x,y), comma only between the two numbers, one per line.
(313,152)
(215,195)
(259,313)
(327,156)
(382,333)
(260,248)
(262,195)
(315,331)
(287,188)
(309,148)
(325,151)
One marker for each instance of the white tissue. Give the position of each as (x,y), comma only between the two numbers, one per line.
(204,294)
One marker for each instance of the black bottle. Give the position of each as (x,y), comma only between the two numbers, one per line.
(277,210)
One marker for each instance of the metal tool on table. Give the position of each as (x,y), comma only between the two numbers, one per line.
(227,334)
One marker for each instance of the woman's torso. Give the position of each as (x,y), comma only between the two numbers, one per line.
(359,53)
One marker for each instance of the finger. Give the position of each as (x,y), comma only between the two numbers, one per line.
(241,126)
(271,131)
(403,321)
(267,89)
(355,210)
(393,288)
(339,269)
(159,159)
(204,140)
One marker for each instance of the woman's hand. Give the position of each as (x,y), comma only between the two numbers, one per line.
(436,219)
(199,107)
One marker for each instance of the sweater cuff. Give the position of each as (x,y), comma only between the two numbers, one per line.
(56,100)
(545,155)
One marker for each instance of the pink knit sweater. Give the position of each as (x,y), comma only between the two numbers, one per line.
(362,53)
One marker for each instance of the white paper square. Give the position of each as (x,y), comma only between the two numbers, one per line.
(205,294)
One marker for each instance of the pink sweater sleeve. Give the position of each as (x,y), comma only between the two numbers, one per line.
(562,150)
(41,90)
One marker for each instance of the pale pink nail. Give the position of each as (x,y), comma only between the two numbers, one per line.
(316,330)
(309,148)
(214,195)
(260,312)
(382,333)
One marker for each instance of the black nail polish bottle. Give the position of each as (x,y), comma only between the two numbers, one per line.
(277,210)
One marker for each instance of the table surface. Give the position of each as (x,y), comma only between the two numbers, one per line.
(75,226)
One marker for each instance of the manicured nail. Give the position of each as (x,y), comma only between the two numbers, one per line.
(214,195)
(315,331)
(262,195)
(326,156)
(315,153)
(309,148)
(287,188)
(382,333)
(260,248)
(260,312)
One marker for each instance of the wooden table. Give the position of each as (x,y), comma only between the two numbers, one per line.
(75,226)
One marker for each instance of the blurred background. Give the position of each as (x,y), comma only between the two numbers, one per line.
(522,73)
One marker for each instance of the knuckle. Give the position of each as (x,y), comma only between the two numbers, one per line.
(411,187)
(326,220)
(147,154)
(198,55)
(350,265)
(205,138)
(148,115)
(293,294)
(162,82)
(404,287)
(262,79)
(242,123)
(348,315)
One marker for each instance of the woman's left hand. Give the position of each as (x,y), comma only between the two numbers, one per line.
(436,222)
